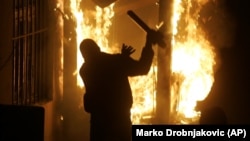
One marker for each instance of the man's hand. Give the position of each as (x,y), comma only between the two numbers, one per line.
(155,37)
(127,50)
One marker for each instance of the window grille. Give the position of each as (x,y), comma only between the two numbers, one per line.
(32,75)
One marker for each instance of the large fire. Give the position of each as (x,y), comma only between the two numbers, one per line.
(192,60)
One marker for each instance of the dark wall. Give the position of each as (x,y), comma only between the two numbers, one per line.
(21,123)
(6,51)
(231,89)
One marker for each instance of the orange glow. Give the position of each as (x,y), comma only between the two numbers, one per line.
(144,96)
(193,59)
(60,32)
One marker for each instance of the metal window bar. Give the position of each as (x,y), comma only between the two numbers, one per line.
(30,47)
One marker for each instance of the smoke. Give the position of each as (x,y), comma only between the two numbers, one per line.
(218,23)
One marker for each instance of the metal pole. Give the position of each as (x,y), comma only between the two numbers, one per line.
(164,63)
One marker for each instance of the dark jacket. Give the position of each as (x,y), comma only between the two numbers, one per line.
(106,81)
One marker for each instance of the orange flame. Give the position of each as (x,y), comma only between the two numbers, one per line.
(144,96)
(193,59)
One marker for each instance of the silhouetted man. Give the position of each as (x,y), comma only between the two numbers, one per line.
(108,96)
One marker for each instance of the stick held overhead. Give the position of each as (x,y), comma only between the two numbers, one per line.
(159,36)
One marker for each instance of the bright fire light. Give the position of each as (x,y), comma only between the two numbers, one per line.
(193,60)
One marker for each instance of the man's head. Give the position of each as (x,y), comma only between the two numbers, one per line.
(89,49)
